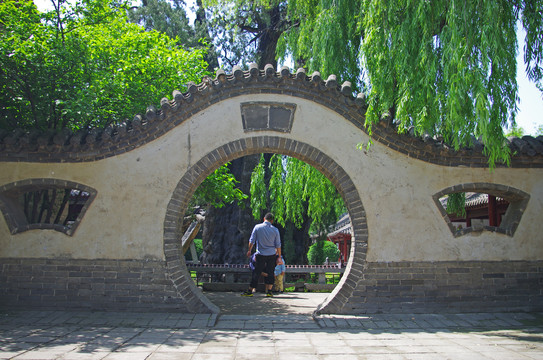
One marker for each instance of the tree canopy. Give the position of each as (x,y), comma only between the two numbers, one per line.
(247,31)
(84,65)
(445,68)
(170,18)
(324,36)
(218,189)
(322,249)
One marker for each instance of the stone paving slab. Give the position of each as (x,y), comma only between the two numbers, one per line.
(111,335)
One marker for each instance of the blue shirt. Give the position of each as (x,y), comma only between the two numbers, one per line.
(266,237)
(280,268)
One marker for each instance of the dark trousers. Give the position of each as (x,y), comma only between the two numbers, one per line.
(264,263)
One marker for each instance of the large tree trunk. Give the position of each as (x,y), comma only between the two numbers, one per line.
(269,37)
(302,242)
(227,230)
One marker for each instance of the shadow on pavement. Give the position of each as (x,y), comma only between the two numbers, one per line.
(299,303)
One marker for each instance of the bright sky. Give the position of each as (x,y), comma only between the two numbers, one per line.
(530,114)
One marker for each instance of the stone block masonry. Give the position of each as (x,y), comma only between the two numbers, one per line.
(418,287)
(87,284)
(394,287)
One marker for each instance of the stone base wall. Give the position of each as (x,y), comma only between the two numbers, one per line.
(87,284)
(418,287)
(423,287)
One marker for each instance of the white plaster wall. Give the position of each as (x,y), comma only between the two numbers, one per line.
(125,221)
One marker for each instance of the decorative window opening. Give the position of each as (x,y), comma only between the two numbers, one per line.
(45,204)
(478,207)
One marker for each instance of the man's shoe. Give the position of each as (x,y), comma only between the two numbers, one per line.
(247,293)
(269,294)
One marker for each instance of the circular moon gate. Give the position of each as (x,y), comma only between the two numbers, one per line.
(194,176)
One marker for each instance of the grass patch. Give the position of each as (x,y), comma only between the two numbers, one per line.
(194,278)
(331,278)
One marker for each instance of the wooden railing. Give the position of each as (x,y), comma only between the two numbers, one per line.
(230,269)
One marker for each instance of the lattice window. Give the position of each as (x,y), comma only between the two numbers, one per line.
(45,204)
(489,207)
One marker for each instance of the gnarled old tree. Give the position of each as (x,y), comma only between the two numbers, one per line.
(244,32)
(247,31)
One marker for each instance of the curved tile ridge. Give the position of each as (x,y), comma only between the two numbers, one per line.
(95,144)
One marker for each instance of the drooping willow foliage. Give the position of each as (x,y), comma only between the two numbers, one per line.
(456,204)
(295,190)
(442,67)
(259,196)
(325,36)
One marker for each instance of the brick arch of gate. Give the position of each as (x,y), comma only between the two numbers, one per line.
(175,263)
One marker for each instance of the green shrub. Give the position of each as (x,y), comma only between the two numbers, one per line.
(319,251)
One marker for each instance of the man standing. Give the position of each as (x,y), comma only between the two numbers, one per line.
(268,246)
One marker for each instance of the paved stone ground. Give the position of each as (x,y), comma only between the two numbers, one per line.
(113,335)
(292,303)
